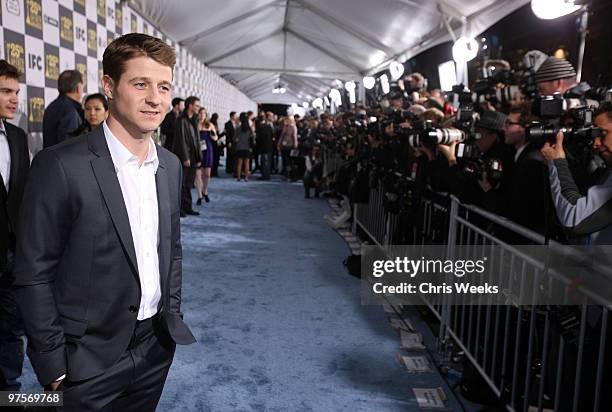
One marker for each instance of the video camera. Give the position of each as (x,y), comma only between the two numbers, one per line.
(576,124)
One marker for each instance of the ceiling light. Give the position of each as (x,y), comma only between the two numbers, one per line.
(384,82)
(396,69)
(369,82)
(465,49)
(552,9)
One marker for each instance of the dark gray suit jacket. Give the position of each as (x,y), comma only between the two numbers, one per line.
(76,272)
(10,201)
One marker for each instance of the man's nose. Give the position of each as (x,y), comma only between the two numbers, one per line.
(596,142)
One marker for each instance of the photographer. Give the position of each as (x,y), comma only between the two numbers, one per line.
(528,202)
(555,76)
(477,180)
(587,215)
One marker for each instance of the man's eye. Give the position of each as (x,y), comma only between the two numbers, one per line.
(140,85)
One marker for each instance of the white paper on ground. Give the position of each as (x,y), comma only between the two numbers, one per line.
(417,364)
(411,341)
(430,398)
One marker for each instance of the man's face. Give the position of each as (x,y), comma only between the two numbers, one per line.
(603,144)
(193,108)
(514,132)
(9,90)
(549,87)
(139,98)
(180,106)
(79,90)
(486,141)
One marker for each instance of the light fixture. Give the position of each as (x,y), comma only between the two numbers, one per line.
(396,69)
(339,84)
(448,75)
(279,90)
(384,82)
(305,105)
(552,9)
(465,49)
(317,103)
(336,97)
(350,87)
(369,82)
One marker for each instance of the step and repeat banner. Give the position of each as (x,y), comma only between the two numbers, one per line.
(42,38)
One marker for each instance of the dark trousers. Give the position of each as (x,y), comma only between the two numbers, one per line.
(287,162)
(265,160)
(134,383)
(188,179)
(312,179)
(275,155)
(12,339)
(216,158)
(229,161)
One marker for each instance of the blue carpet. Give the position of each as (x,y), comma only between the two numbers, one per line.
(278,320)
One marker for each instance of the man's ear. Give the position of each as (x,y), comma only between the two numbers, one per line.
(108,86)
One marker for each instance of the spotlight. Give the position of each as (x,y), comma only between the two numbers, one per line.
(369,82)
(552,9)
(384,82)
(396,69)
(317,103)
(465,49)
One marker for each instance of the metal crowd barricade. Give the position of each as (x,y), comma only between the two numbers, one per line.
(520,351)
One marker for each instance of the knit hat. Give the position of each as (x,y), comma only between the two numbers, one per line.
(554,68)
(491,120)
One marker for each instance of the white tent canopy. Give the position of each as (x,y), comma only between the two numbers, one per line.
(305,45)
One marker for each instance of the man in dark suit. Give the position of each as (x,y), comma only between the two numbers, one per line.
(187,148)
(265,145)
(167,126)
(528,200)
(14,165)
(229,130)
(98,267)
(65,114)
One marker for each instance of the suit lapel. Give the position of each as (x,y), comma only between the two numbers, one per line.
(163,201)
(106,176)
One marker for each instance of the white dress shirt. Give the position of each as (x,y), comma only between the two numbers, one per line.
(5,156)
(140,196)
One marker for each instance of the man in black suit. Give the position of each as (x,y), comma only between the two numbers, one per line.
(98,267)
(265,145)
(14,165)
(528,200)
(65,114)
(187,148)
(229,130)
(167,126)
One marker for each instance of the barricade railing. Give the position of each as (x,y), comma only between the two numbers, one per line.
(532,357)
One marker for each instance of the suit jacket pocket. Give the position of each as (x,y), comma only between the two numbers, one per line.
(75,328)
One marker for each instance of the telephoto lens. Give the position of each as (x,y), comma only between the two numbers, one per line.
(447,136)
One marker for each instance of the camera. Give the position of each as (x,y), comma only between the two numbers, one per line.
(428,136)
(575,123)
